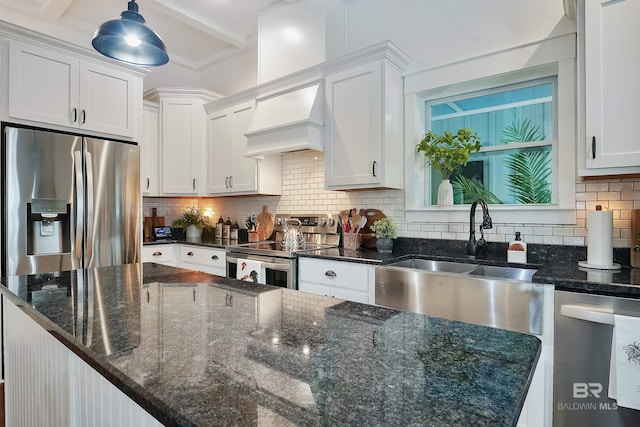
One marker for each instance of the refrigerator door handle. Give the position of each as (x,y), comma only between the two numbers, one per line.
(77,161)
(89,169)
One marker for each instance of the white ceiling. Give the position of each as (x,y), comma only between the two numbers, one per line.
(197,33)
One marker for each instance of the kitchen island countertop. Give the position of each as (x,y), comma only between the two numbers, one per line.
(196,349)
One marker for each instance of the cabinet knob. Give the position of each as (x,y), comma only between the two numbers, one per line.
(157,254)
(230,182)
(75,115)
(214,257)
(330,273)
(190,253)
(194,183)
(593,147)
(226,182)
(147,183)
(83,114)
(373,168)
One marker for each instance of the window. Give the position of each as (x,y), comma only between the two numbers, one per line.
(522,103)
(516,126)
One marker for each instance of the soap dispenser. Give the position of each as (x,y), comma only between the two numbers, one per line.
(517,251)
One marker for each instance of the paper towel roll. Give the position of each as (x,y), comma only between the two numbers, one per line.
(600,239)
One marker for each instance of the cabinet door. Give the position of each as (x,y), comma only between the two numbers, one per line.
(181,146)
(612,61)
(353,126)
(109,100)
(220,152)
(43,85)
(149,151)
(245,169)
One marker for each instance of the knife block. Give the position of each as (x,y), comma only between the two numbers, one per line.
(635,238)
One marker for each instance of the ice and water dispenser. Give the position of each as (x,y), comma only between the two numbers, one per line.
(48,227)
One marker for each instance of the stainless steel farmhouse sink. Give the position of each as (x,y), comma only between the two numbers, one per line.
(500,297)
(437,266)
(496,272)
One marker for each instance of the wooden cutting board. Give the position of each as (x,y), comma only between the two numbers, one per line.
(635,238)
(149,223)
(372,215)
(265,224)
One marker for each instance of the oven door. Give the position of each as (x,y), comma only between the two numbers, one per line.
(280,272)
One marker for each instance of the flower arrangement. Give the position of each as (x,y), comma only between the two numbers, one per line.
(191,216)
(448,152)
(384,229)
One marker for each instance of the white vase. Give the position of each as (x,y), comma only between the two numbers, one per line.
(193,232)
(445,193)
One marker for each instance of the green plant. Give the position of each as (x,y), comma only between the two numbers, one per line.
(529,180)
(448,152)
(384,229)
(473,190)
(191,216)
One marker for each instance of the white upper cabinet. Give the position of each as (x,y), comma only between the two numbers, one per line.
(51,87)
(183,145)
(149,150)
(363,125)
(611,87)
(230,172)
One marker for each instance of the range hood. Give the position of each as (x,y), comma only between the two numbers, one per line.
(288,121)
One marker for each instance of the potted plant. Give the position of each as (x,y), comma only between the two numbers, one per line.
(446,153)
(385,231)
(193,221)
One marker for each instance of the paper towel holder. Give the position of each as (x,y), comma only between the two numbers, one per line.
(613,266)
(586,264)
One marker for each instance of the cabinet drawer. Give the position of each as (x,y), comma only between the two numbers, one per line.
(161,254)
(344,274)
(203,256)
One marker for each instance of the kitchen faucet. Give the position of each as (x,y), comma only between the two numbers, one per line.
(474,246)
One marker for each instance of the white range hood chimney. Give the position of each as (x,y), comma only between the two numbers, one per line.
(288,121)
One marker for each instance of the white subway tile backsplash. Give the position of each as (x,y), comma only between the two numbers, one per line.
(303,192)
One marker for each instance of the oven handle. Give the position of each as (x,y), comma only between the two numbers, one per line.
(588,313)
(270,265)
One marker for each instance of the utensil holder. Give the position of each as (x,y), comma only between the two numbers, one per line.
(351,240)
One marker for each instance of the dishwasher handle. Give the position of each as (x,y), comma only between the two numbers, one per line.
(589,313)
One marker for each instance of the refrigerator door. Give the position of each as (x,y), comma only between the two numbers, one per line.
(113,226)
(40,217)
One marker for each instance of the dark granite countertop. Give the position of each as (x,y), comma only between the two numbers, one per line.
(556,265)
(196,349)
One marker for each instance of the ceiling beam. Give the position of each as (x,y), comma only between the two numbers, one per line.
(178,10)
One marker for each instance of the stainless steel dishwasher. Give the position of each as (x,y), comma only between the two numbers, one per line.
(582,354)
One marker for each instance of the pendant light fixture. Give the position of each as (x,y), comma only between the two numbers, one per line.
(128,40)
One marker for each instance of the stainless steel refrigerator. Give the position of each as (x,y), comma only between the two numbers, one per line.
(68,201)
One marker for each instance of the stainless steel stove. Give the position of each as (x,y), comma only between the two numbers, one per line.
(280,267)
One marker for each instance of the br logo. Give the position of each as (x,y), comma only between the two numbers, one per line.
(584,390)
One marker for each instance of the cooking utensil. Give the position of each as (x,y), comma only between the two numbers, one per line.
(356,219)
(265,224)
(344,218)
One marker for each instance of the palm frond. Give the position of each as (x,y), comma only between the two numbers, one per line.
(473,190)
(522,131)
(529,180)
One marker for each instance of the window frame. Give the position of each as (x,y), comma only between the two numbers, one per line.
(548,58)
(551,142)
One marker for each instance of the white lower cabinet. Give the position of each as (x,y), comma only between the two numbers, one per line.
(207,260)
(345,280)
(160,254)
(538,406)
(197,258)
